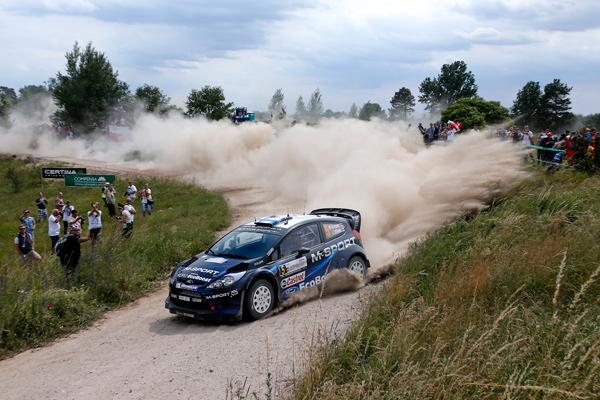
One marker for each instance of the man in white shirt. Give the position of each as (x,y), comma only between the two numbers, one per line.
(129,207)
(131,191)
(54,227)
(95,218)
(125,218)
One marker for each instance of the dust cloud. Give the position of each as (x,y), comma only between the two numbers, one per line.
(402,189)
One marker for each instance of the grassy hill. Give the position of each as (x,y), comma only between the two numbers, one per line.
(36,306)
(500,305)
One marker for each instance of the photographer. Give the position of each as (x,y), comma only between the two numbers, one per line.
(75,220)
(95,218)
(127,221)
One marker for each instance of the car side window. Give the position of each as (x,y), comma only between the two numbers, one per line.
(304,236)
(333,230)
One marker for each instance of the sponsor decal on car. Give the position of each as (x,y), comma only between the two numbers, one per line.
(180,285)
(327,251)
(292,280)
(317,281)
(289,291)
(292,266)
(202,270)
(233,293)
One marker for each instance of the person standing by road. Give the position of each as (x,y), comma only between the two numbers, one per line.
(126,219)
(71,254)
(58,202)
(110,200)
(131,191)
(129,207)
(29,223)
(66,216)
(41,204)
(54,228)
(25,245)
(147,201)
(95,218)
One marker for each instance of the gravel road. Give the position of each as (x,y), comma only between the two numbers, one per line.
(142,352)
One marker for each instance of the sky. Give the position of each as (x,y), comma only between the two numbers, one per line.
(354,51)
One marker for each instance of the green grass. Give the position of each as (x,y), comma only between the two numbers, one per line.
(500,305)
(36,306)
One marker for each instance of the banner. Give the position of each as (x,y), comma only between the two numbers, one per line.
(75,180)
(59,172)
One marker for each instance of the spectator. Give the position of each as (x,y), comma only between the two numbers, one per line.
(41,204)
(75,220)
(110,200)
(474,130)
(66,216)
(54,228)
(58,202)
(29,222)
(71,254)
(95,218)
(25,245)
(147,202)
(125,218)
(129,207)
(103,192)
(131,191)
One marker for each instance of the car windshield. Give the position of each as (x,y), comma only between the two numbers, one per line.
(244,243)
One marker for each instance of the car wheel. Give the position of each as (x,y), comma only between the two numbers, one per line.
(357,265)
(260,299)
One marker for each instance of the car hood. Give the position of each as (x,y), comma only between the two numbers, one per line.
(205,268)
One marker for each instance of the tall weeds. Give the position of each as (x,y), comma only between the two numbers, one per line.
(36,304)
(500,306)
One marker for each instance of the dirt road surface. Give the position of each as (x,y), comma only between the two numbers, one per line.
(142,352)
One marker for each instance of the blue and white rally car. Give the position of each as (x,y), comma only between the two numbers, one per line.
(261,263)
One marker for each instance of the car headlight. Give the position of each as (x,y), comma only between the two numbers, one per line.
(227,280)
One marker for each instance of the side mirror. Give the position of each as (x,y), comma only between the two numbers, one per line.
(302,250)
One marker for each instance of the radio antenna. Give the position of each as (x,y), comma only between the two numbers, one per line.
(305,194)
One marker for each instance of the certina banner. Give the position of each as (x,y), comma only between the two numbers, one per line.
(76,180)
(59,173)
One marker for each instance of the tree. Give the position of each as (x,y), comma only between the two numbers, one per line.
(300,109)
(403,104)
(276,107)
(371,110)
(10,94)
(208,101)
(476,111)
(153,98)
(556,105)
(527,106)
(315,106)
(453,83)
(329,113)
(353,111)
(34,101)
(89,94)
(4,111)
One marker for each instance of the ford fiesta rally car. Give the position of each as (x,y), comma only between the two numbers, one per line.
(261,263)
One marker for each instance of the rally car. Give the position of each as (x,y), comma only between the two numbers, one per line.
(261,263)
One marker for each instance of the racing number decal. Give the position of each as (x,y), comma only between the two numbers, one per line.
(327,230)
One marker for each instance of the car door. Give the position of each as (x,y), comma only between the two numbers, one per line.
(293,259)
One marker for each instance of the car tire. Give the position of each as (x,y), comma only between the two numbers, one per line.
(259,299)
(357,265)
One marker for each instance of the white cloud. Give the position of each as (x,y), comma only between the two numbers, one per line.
(353,50)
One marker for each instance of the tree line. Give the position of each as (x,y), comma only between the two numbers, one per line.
(90,95)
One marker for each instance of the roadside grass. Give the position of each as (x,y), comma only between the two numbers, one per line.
(500,305)
(36,306)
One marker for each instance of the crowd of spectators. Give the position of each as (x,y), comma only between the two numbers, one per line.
(548,147)
(73,222)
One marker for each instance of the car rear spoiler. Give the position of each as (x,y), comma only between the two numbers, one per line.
(352,216)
